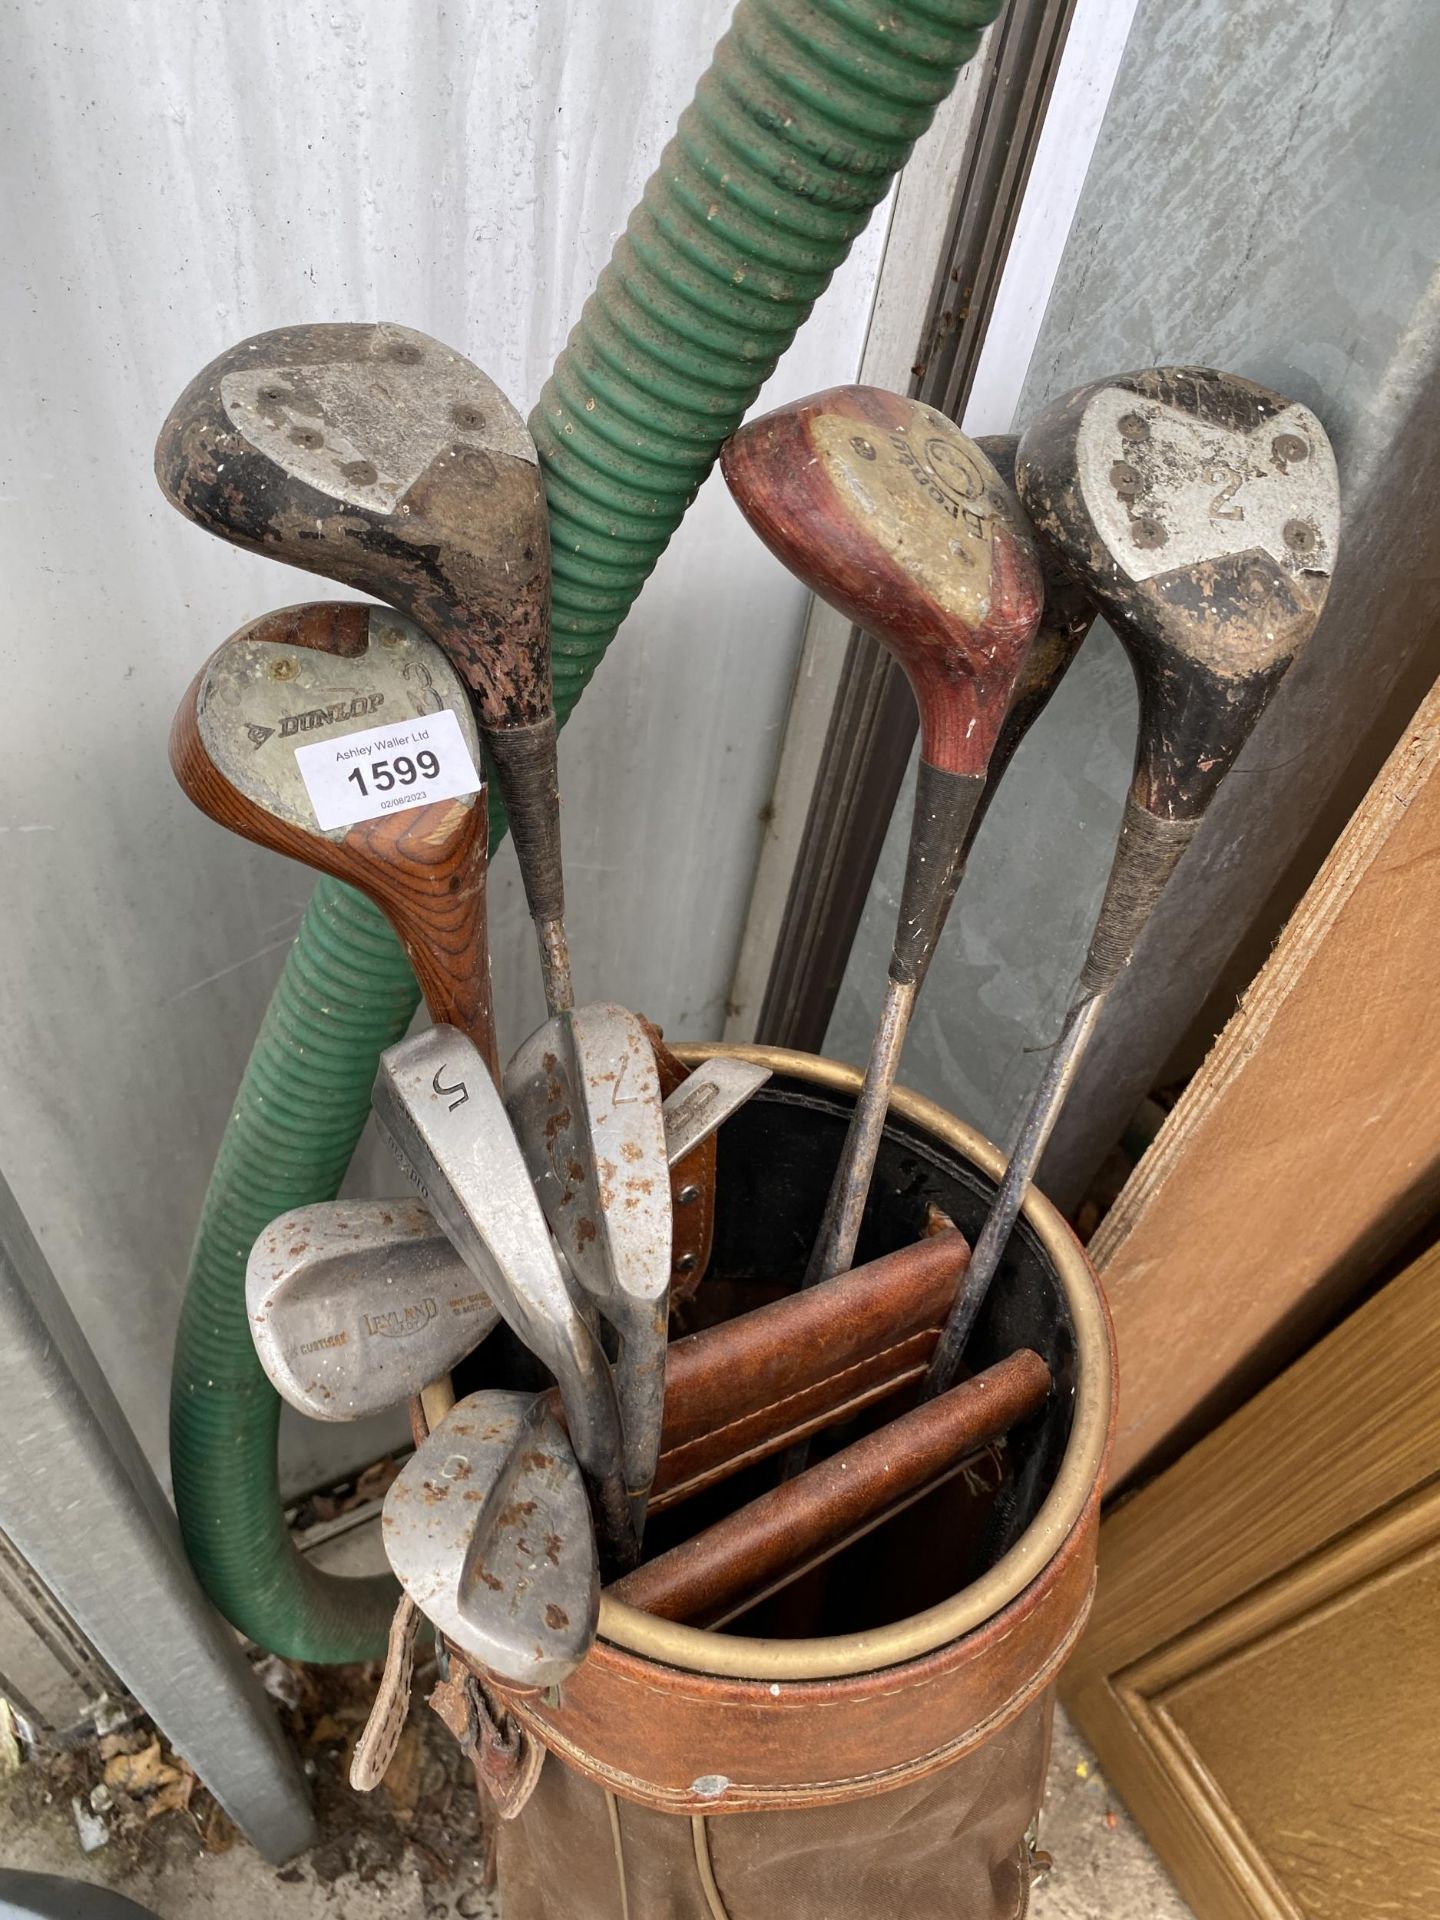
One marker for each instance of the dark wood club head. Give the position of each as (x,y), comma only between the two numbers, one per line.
(1069,613)
(376,456)
(884,508)
(327,672)
(1203,513)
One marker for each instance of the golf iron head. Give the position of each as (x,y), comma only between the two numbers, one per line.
(488,1530)
(354,1305)
(584,1094)
(443,1115)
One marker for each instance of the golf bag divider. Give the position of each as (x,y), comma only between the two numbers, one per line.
(874,1739)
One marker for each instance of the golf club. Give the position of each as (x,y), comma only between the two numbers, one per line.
(488,1531)
(1067,616)
(587,1114)
(1202,513)
(443,1115)
(884,508)
(355,1305)
(376,456)
(340,735)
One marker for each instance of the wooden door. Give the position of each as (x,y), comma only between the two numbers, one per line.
(1261,1675)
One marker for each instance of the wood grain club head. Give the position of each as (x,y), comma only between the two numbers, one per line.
(323,673)
(888,512)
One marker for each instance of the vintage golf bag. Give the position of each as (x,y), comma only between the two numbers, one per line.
(872,1739)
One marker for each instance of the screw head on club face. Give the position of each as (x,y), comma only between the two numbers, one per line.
(354,1305)
(888,512)
(1203,513)
(375,455)
(488,1531)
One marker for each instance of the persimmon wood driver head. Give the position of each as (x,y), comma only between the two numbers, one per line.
(888,512)
(323,673)
(376,456)
(1202,512)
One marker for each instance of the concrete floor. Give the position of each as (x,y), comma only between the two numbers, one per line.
(1103,1868)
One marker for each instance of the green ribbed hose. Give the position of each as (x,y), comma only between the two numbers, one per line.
(346,993)
(796,131)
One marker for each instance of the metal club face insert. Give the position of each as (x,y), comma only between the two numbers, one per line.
(596,1149)
(1169,488)
(354,1305)
(585,1094)
(375,455)
(364,429)
(316,673)
(1203,513)
(488,1531)
(437,1105)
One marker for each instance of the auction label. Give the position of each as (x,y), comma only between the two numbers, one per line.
(360,776)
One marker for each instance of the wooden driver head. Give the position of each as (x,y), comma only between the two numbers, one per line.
(1067,616)
(1202,512)
(340,735)
(375,455)
(884,508)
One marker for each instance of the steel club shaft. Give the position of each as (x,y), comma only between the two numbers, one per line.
(1202,512)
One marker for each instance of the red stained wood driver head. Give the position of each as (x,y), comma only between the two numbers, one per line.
(888,512)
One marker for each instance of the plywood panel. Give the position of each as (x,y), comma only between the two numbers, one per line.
(1307,1149)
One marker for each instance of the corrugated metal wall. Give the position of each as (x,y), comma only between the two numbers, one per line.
(180,173)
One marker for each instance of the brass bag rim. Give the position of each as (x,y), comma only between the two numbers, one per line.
(737,1656)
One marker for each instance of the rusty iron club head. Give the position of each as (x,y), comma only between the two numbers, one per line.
(443,1116)
(374,455)
(355,1305)
(488,1531)
(584,1095)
